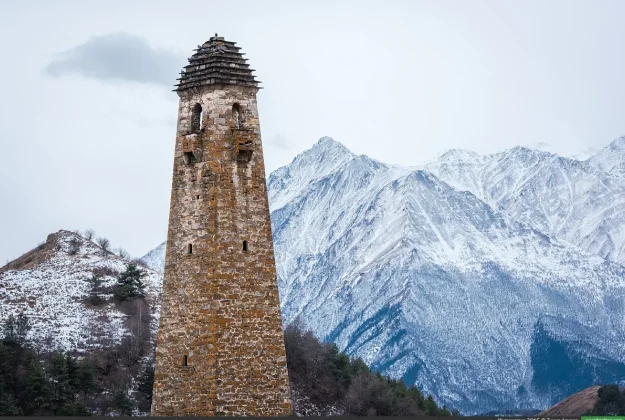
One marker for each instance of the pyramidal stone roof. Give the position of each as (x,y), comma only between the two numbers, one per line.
(217,61)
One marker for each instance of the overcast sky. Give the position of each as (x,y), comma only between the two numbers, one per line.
(87,115)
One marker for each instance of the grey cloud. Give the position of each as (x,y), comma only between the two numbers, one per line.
(119,57)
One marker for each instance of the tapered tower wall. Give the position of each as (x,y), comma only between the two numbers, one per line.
(220,348)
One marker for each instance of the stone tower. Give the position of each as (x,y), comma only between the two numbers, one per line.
(220,348)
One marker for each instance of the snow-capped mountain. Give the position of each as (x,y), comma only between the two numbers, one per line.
(455,283)
(581,202)
(50,284)
(430,283)
(155,259)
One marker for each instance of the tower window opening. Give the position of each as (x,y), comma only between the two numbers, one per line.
(245,247)
(196,118)
(236,115)
(190,249)
(189,158)
(186,360)
(244,156)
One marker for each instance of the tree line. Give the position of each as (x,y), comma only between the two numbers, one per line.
(611,402)
(329,378)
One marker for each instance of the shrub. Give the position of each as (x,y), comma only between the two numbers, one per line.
(74,246)
(139,263)
(123,253)
(105,271)
(104,243)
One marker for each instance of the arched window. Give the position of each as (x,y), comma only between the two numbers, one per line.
(196,118)
(245,247)
(189,249)
(236,115)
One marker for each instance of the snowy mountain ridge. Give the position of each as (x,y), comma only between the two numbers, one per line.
(581,202)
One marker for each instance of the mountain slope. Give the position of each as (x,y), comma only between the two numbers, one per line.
(580,202)
(576,405)
(610,156)
(155,259)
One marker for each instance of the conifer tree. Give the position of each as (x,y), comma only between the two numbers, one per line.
(129,284)
(16,328)
(8,405)
(72,372)
(9,327)
(430,406)
(73,409)
(22,327)
(122,403)
(37,390)
(144,388)
(85,377)
(62,391)
(95,285)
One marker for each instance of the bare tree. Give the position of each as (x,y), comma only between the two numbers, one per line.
(123,253)
(89,234)
(104,243)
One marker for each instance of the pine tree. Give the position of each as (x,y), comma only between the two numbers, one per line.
(72,373)
(16,328)
(85,377)
(22,326)
(129,285)
(9,328)
(430,406)
(144,388)
(95,284)
(9,405)
(62,391)
(122,403)
(146,382)
(73,409)
(37,391)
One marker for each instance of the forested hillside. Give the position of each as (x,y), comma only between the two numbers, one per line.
(323,381)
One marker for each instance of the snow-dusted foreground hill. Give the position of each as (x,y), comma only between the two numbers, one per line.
(489,290)
(50,284)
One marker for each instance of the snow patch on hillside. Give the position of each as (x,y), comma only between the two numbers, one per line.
(52,294)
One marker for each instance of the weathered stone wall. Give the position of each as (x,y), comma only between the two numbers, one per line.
(220,303)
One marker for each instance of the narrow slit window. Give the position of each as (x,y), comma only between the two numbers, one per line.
(196,118)
(186,360)
(245,247)
(190,249)
(236,115)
